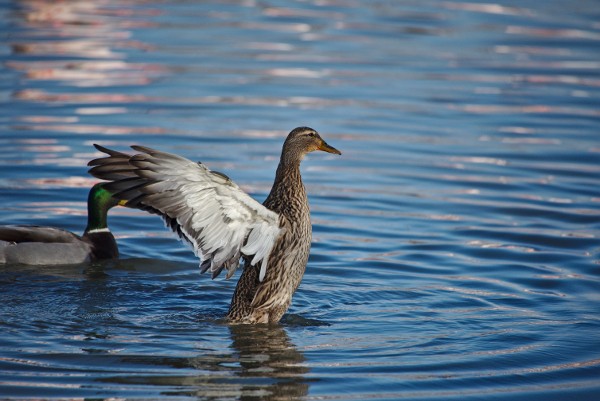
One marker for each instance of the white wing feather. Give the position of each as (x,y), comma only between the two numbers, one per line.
(220,220)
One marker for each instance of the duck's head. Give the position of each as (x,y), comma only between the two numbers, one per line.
(303,140)
(101,199)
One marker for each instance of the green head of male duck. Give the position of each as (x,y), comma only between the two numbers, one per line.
(100,201)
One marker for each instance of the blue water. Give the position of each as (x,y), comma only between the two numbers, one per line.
(456,240)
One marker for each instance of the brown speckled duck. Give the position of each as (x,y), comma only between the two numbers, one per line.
(223,223)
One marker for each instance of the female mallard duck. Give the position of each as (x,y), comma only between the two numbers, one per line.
(36,245)
(223,223)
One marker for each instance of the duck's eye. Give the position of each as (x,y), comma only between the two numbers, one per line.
(311,134)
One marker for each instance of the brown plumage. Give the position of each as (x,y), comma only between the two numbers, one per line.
(223,223)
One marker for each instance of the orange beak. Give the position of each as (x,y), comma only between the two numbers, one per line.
(329,149)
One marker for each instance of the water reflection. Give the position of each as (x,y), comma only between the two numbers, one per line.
(264,361)
(75,45)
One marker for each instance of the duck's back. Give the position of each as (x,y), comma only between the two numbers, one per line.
(35,245)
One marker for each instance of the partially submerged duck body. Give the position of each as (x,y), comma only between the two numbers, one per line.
(39,245)
(223,223)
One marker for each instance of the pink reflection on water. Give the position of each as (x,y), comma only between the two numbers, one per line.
(46,148)
(79,48)
(60,182)
(34,141)
(299,12)
(488,8)
(297,73)
(93,129)
(553,33)
(47,119)
(75,31)
(82,98)
(74,14)
(532,109)
(83,29)
(43,96)
(89,74)
(526,78)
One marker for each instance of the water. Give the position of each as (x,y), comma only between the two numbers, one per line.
(456,247)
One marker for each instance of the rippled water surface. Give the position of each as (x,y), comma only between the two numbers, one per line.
(456,240)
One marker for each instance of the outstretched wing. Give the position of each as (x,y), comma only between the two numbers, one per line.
(204,207)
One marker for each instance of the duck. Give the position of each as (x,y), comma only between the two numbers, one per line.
(41,245)
(225,226)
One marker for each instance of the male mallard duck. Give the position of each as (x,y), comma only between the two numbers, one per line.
(223,223)
(37,245)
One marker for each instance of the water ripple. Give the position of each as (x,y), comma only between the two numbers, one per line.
(455,247)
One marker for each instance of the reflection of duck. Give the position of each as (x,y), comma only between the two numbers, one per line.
(223,223)
(37,245)
(261,363)
(267,352)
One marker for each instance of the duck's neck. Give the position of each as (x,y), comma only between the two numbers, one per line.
(288,193)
